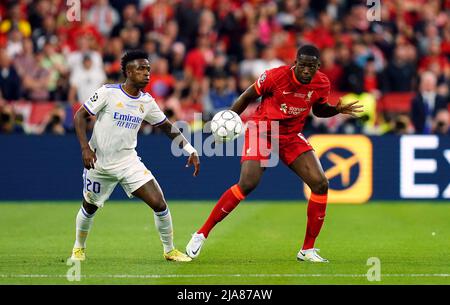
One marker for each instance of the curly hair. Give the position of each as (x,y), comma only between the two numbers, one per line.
(130,56)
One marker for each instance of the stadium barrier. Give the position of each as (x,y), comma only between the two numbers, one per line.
(359,168)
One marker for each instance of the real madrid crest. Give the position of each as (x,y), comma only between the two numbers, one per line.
(141,108)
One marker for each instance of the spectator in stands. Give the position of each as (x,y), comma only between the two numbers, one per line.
(14,45)
(131,37)
(15,20)
(111,59)
(426,104)
(321,34)
(156,15)
(131,19)
(104,16)
(161,83)
(55,63)
(372,79)
(85,80)
(45,33)
(400,72)
(198,59)
(267,61)
(434,56)
(431,37)
(353,74)
(176,60)
(24,61)
(220,96)
(331,68)
(191,105)
(187,15)
(230,26)
(247,65)
(84,28)
(240,38)
(37,12)
(75,58)
(219,64)
(10,83)
(36,80)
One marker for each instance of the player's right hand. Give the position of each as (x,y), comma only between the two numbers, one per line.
(89,158)
(193,159)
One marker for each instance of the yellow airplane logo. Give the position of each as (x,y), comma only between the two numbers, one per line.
(341,166)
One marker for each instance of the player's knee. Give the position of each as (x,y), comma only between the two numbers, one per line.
(89,208)
(320,186)
(248,186)
(158,204)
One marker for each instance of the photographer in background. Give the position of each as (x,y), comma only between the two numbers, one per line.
(54,122)
(441,124)
(10,122)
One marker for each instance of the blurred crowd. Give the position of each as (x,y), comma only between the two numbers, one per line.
(205,53)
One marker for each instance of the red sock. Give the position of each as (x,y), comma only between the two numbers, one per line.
(316,214)
(229,200)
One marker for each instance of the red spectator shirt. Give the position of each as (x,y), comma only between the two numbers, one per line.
(288,101)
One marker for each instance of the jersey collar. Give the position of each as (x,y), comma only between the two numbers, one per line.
(131,96)
(293,76)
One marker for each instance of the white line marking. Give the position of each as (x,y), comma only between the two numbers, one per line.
(157,276)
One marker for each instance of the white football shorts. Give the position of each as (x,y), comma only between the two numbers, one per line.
(98,184)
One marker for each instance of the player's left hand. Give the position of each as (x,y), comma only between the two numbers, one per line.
(352,108)
(193,159)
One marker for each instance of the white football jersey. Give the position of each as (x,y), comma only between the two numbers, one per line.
(119,117)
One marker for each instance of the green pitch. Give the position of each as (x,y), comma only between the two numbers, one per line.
(256,244)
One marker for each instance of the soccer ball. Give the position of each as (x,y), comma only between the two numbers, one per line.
(226,126)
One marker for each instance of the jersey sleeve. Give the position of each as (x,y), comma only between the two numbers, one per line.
(264,83)
(97,101)
(155,116)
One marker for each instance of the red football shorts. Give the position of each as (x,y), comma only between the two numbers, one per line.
(258,146)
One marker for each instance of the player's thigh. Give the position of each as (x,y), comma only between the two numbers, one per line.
(251,173)
(138,181)
(133,176)
(257,146)
(307,166)
(152,195)
(97,186)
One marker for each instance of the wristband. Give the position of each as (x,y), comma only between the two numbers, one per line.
(189,149)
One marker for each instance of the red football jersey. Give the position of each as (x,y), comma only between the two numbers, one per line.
(288,101)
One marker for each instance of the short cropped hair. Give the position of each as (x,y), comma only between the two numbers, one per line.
(309,50)
(130,56)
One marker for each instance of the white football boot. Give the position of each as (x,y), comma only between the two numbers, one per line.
(195,245)
(311,255)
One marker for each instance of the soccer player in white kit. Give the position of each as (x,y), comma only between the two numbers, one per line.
(110,157)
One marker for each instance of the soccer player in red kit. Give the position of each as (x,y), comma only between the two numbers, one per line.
(288,93)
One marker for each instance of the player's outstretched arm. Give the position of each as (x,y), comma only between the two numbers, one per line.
(174,133)
(324,110)
(80,122)
(244,99)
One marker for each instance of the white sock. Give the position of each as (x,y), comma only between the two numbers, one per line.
(163,222)
(83,225)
